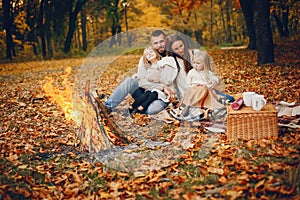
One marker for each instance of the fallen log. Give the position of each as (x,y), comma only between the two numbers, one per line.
(118,133)
(92,133)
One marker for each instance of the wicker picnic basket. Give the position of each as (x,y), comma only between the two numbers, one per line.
(249,124)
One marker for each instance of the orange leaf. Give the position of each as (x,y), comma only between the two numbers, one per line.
(76,177)
(286,191)
(222,180)
(259,185)
(215,170)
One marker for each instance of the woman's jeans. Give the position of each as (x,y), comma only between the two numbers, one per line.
(230,98)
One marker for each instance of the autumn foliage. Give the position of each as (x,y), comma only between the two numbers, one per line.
(39,159)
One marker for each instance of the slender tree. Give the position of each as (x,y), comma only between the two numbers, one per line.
(280,13)
(31,19)
(113,16)
(248,11)
(41,27)
(228,9)
(83,29)
(60,12)
(48,30)
(72,22)
(8,29)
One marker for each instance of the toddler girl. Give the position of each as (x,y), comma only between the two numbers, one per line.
(160,72)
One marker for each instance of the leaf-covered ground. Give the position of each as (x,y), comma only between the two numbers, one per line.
(38,158)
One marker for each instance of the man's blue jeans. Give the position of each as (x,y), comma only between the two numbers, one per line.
(130,86)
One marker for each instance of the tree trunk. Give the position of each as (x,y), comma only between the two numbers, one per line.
(211,23)
(113,35)
(31,10)
(264,40)
(59,11)
(223,19)
(48,19)
(83,30)
(285,22)
(228,18)
(72,23)
(198,35)
(8,28)
(248,11)
(41,28)
(279,24)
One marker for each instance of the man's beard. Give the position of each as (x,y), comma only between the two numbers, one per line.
(163,53)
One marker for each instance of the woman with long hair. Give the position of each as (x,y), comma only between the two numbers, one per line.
(177,47)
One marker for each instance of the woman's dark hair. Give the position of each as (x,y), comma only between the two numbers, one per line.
(186,58)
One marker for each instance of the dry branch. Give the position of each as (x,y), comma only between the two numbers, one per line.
(110,123)
(92,133)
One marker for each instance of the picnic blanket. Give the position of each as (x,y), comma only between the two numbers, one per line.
(288,114)
(288,117)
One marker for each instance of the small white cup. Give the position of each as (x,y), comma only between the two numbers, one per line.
(258,102)
(247,97)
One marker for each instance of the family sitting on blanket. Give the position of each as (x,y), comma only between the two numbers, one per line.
(160,72)
(175,47)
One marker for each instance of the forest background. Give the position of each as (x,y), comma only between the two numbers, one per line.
(41,154)
(41,29)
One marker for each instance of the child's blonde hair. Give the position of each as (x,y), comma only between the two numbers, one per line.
(202,57)
(150,48)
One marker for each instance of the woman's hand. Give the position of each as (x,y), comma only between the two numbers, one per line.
(169,93)
(212,84)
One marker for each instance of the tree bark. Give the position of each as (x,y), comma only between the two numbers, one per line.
(113,14)
(31,9)
(211,23)
(264,39)
(228,18)
(48,19)
(83,29)
(285,22)
(41,27)
(72,23)
(248,11)
(59,11)
(220,2)
(8,28)
(198,35)
(279,24)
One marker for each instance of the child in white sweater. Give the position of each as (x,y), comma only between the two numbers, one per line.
(160,72)
(201,74)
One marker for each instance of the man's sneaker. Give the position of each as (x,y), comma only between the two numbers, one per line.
(223,101)
(100,95)
(105,109)
(132,111)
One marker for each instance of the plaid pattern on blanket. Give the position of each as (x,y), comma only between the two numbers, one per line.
(288,117)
